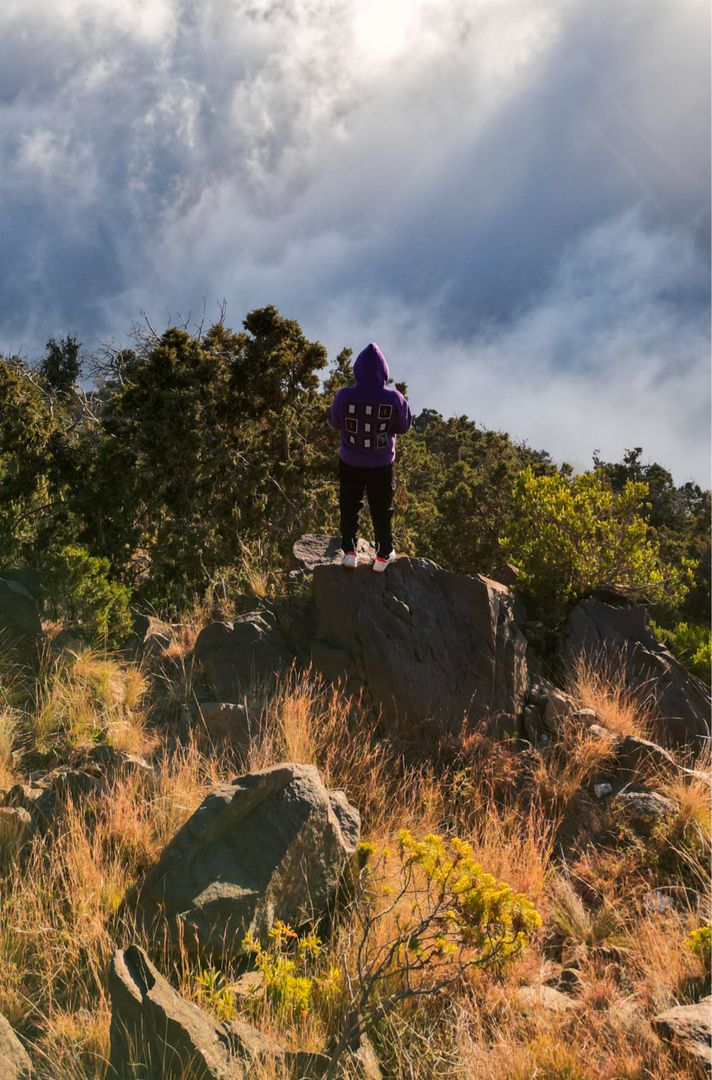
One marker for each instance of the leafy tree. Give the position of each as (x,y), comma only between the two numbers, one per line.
(61,365)
(26,430)
(458,489)
(680,516)
(570,535)
(210,442)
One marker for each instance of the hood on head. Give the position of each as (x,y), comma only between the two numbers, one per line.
(371,366)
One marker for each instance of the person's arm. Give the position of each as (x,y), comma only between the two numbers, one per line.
(402,419)
(335,412)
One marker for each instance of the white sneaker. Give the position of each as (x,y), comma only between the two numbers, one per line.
(380,564)
(350,559)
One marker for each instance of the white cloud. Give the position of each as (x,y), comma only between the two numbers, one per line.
(518,186)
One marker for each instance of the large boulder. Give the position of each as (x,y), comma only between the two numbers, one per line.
(613,631)
(238,656)
(268,846)
(156,1033)
(429,646)
(689,1027)
(15,1063)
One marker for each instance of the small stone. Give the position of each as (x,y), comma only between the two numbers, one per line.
(531,999)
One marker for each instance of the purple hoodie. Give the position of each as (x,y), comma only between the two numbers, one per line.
(369,414)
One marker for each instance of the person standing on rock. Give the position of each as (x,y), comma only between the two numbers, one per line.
(369,416)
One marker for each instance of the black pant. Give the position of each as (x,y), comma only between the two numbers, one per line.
(379,484)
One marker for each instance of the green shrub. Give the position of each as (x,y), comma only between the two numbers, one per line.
(81,592)
(569,535)
(692,644)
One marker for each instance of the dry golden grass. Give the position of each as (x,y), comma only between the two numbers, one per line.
(561,770)
(80,700)
(596,684)
(59,901)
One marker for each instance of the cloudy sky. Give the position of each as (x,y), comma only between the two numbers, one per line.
(510,196)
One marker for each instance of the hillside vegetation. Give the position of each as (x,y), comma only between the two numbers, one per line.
(197,458)
(525,897)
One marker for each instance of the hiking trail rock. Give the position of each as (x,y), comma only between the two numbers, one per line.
(427,645)
(155,1032)
(318,549)
(611,629)
(270,845)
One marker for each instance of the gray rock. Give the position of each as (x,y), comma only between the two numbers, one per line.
(226,722)
(558,708)
(586,716)
(19,614)
(237,656)
(429,646)
(15,1063)
(156,1033)
(610,738)
(634,758)
(267,846)
(533,999)
(638,756)
(643,809)
(15,828)
(690,1028)
(30,578)
(318,549)
(613,630)
(94,771)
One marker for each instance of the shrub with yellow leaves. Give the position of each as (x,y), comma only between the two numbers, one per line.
(420,921)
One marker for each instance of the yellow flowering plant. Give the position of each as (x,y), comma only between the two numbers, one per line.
(420,922)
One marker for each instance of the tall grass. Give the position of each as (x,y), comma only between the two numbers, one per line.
(596,682)
(60,898)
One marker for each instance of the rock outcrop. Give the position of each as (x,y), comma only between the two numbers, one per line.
(236,656)
(689,1027)
(15,1063)
(156,1033)
(611,630)
(267,846)
(428,646)
(318,549)
(88,773)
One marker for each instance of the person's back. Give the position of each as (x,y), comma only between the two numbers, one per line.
(370,415)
